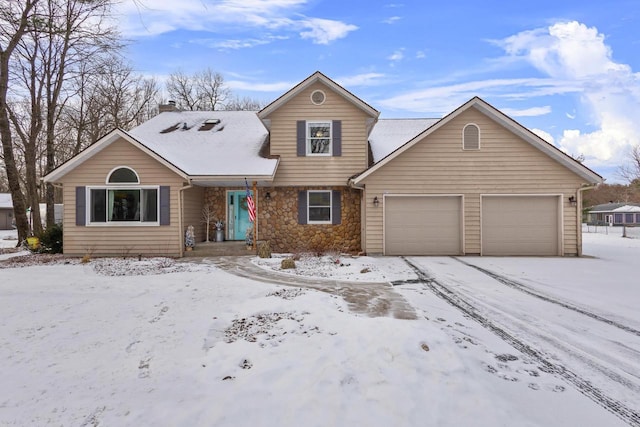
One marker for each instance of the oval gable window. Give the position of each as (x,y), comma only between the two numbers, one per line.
(318,97)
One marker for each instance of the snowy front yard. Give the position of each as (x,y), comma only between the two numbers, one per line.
(98,345)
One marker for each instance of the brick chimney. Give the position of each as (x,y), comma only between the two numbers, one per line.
(169,106)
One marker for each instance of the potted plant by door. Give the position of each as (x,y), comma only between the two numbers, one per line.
(219,230)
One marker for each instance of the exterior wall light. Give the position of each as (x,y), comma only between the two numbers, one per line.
(376,202)
(573,201)
(267,196)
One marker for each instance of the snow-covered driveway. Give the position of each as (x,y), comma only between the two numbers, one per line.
(582,328)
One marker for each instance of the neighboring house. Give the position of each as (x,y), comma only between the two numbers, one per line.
(6,211)
(327,175)
(615,214)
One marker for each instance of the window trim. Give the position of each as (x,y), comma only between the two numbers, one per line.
(324,97)
(329,124)
(330,206)
(109,223)
(464,148)
(108,182)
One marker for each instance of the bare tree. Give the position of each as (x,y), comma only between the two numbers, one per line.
(204,90)
(67,37)
(244,104)
(630,171)
(127,97)
(182,90)
(15,19)
(212,92)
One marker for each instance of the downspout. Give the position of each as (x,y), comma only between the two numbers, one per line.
(181,216)
(579,215)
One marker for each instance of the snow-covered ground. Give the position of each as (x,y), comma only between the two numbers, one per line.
(8,238)
(158,343)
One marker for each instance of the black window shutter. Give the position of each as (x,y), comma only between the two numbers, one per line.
(337,137)
(302,207)
(165,214)
(336,207)
(81,206)
(301,138)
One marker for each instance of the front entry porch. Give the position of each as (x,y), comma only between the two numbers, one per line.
(214,249)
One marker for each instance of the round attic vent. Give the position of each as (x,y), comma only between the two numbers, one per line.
(317,97)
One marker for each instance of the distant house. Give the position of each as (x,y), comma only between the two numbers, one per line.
(326,173)
(615,214)
(6,211)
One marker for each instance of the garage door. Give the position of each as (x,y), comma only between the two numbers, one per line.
(422,225)
(520,225)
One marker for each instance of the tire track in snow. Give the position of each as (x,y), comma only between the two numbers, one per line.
(527,290)
(629,415)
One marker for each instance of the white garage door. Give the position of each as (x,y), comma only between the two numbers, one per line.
(520,225)
(423,225)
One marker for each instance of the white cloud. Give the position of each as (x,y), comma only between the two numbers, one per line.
(152,17)
(392,20)
(610,91)
(366,79)
(278,87)
(396,56)
(420,55)
(527,112)
(544,135)
(324,31)
(444,99)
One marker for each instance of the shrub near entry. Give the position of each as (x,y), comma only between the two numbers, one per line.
(51,240)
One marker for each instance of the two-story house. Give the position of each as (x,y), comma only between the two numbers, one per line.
(326,174)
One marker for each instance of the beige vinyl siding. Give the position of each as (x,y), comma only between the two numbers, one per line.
(318,170)
(504,164)
(120,240)
(193,203)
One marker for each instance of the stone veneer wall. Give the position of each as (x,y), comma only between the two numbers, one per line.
(278,220)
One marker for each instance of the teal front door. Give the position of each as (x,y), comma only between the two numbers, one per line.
(237,215)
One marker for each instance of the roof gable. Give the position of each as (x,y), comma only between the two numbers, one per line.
(313,78)
(505,121)
(100,145)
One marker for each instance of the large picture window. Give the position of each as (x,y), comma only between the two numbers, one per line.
(123,205)
(122,200)
(319,138)
(319,207)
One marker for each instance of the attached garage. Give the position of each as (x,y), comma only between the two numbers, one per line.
(521,225)
(422,225)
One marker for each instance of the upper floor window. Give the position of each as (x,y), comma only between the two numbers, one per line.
(319,138)
(471,137)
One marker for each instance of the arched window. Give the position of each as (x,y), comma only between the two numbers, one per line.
(123,175)
(471,137)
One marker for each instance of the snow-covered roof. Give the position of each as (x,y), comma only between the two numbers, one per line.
(627,209)
(6,201)
(389,134)
(615,207)
(208,143)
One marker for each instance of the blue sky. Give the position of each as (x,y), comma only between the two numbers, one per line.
(569,70)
